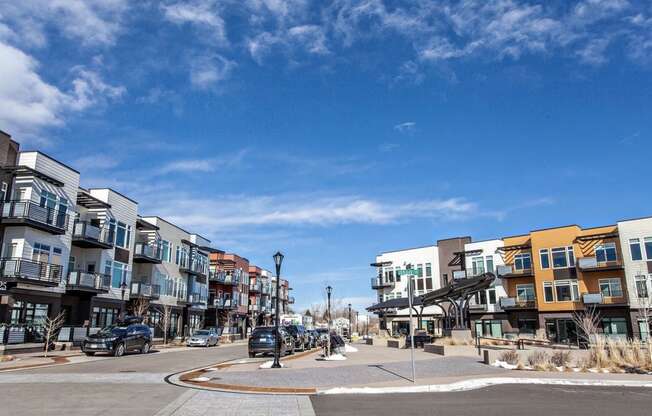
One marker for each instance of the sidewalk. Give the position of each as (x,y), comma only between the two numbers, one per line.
(375,367)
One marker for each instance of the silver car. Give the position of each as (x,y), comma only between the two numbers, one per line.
(203,338)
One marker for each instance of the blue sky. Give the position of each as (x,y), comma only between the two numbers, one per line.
(334,130)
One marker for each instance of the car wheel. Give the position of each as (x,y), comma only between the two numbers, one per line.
(145,349)
(119,351)
(90,354)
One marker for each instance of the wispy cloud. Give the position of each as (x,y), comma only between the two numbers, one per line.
(98,161)
(208,72)
(206,165)
(388,147)
(406,127)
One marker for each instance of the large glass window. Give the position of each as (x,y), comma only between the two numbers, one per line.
(559,259)
(525,293)
(615,327)
(544,255)
(523,261)
(605,252)
(490,264)
(119,274)
(648,248)
(41,252)
(635,249)
(123,234)
(103,317)
(566,290)
(492,296)
(166,249)
(477,264)
(548,292)
(611,287)
(641,287)
(428,269)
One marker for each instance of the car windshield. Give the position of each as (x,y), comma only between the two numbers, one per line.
(115,330)
(262,332)
(202,332)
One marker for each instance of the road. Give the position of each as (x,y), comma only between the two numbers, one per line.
(132,385)
(499,400)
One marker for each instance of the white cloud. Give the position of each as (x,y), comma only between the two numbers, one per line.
(207,72)
(206,165)
(406,127)
(99,161)
(203,14)
(30,104)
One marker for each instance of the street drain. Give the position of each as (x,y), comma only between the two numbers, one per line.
(127,371)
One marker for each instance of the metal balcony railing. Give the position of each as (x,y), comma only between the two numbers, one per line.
(87,232)
(223,303)
(29,211)
(514,303)
(255,287)
(16,269)
(231,279)
(509,271)
(592,298)
(378,283)
(592,264)
(147,252)
(144,290)
(197,298)
(218,276)
(78,279)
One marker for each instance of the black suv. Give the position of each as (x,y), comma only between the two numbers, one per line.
(301,337)
(118,339)
(262,341)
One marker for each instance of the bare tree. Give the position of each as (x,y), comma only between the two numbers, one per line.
(51,328)
(588,322)
(140,307)
(165,321)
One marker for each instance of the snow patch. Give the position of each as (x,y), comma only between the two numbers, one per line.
(503,364)
(268,364)
(201,379)
(334,357)
(349,348)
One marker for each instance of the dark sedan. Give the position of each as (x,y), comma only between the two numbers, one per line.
(263,341)
(119,339)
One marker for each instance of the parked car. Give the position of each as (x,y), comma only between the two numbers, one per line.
(323,335)
(203,338)
(118,339)
(301,338)
(263,341)
(313,337)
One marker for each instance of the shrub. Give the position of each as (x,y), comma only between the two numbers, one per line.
(539,359)
(561,358)
(510,357)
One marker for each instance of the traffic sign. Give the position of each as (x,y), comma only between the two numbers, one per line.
(404,272)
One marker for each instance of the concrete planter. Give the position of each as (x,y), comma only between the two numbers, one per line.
(396,343)
(435,349)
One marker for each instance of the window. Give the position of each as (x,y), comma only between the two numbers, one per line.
(635,249)
(123,235)
(566,290)
(41,252)
(648,247)
(102,317)
(48,200)
(420,270)
(419,284)
(166,250)
(3,191)
(428,269)
(559,259)
(490,264)
(492,296)
(614,327)
(477,264)
(525,293)
(611,288)
(428,283)
(605,252)
(544,255)
(641,287)
(119,275)
(523,261)
(548,292)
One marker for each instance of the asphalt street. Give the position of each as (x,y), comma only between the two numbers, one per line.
(132,385)
(499,400)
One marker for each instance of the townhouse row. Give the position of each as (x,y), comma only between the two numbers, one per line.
(90,254)
(544,279)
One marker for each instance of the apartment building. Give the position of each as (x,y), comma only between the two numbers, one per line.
(171,271)
(390,285)
(229,292)
(264,317)
(255,294)
(486,316)
(285,299)
(552,273)
(636,249)
(450,261)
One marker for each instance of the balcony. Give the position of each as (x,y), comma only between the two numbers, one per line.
(513,303)
(144,290)
(17,270)
(86,282)
(232,280)
(218,276)
(223,303)
(194,267)
(87,235)
(591,264)
(30,214)
(147,253)
(592,298)
(255,287)
(378,283)
(478,307)
(507,272)
(196,299)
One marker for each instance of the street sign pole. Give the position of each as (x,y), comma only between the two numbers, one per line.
(410,294)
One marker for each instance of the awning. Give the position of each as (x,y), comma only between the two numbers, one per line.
(459,288)
(399,303)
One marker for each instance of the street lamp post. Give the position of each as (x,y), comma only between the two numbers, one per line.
(329,290)
(350,326)
(357,316)
(278,259)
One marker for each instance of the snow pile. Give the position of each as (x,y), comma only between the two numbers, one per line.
(505,365)
(335,357)
(201,379)
(268,364)
(349,348)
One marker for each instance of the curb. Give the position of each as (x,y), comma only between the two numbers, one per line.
(481,383)
(56,361)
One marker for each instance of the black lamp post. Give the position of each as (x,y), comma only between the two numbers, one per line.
(123,288)
(329,290)
(350,326)
(278,259)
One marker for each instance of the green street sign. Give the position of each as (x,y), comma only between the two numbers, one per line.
(412,272)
